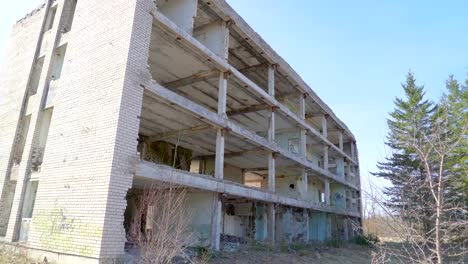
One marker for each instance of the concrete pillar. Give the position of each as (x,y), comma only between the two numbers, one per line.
(303,143)
(271,172)
(303,133)
(305,183)
(271,127)
(348,170)
(271,223)
(345,229)
(325,158)
(327,192)
(222,94)
(324,126)
(215,233)
(302,110)
(306,225)
(271,138)
(352,151)
(340,140)
(271,80)
(219,156)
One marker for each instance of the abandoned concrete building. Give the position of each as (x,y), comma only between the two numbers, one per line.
(102,98)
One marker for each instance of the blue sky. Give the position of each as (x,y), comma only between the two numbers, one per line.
(354,54)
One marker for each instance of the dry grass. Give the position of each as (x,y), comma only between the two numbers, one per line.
(165,232)
(350,254)
(7,255)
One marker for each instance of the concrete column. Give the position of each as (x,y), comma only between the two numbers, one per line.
(215,234)
(345,228)
(325,158)
(271,223)
(306,225)
(302,110)
(271,172)
(222,94)
(219,156)
(303,143)
(304,186)
(352,151)
(340,140)
(348,170)
(271,127)
(324,126)
(327,192)
(271,80)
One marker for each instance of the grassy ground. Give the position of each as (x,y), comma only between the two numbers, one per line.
(9,256)
(347,254)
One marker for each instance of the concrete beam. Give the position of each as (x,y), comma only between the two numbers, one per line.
(260,46)
(197,77)
(180,133)
(248,109)
(175,100)
(148,171)
(203,52)
(236,154)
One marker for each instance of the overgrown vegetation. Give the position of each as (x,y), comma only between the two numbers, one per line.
(8,255)
(160,227)
(428,165)
(367,240)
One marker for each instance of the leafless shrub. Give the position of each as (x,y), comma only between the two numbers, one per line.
(160,227)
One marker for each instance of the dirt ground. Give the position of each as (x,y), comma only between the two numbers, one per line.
(352,254)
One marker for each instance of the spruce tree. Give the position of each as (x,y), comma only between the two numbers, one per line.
(453,111)
(409,125)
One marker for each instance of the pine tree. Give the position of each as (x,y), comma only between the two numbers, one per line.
(409,124)
(453,109)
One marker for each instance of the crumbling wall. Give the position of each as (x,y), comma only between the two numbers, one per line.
(288,185)
(319,226)
(261,226)
(291,225)
(5,205)
(199,206)
(338,195)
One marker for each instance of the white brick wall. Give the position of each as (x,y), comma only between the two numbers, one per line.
(91,146)
(92,139)
(14,76)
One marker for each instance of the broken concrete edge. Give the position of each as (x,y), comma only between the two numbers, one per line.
(195,46)
(225,11)
(33,12)
(159,92)
(164,173)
